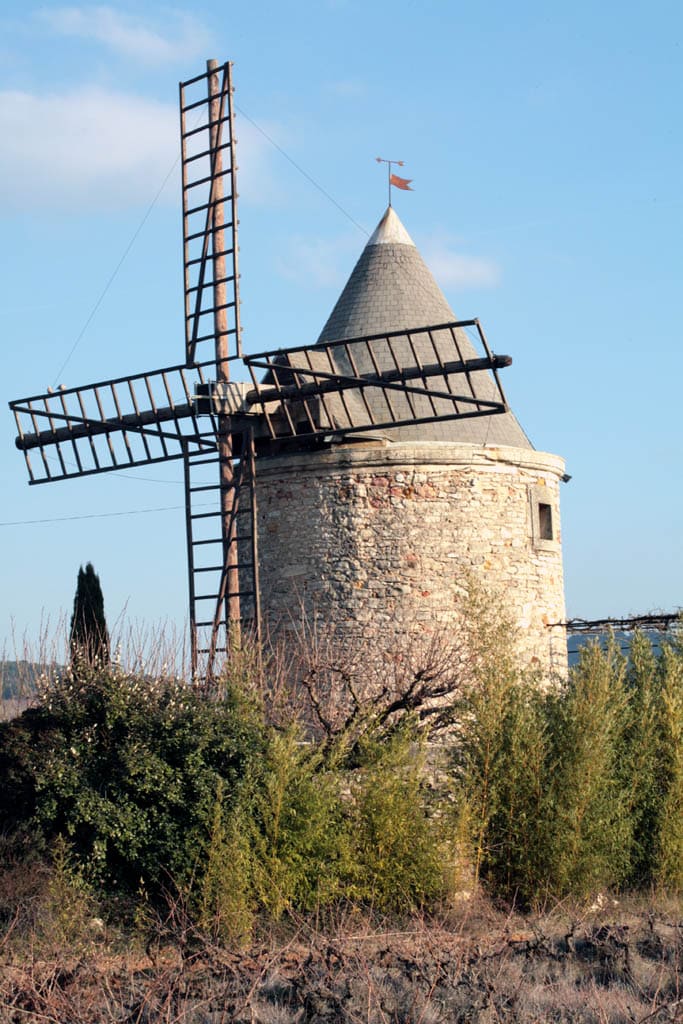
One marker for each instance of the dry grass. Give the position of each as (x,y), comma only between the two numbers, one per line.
(156,650)
(621,965)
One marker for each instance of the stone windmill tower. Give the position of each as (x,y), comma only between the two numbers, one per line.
(374,535)
(357,480)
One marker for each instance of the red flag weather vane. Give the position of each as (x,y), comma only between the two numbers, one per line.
(393,179)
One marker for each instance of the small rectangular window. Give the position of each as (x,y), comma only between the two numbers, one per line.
(545,521)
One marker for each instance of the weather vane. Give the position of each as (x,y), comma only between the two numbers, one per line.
(393,179)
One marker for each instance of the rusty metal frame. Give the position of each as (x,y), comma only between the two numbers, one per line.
(661,621)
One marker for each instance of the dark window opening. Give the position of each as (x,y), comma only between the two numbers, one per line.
(545,522)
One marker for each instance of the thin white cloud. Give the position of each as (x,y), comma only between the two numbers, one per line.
(324,263)
(96,148)
(84,148)
(182,37)
(348,88)
(455,269)
(320,263)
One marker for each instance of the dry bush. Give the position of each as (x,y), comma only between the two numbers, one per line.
(23,883)
(342,690)
(477,965)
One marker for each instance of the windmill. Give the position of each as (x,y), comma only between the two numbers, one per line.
(199,412)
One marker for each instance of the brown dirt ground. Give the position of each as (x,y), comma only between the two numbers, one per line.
(611,964)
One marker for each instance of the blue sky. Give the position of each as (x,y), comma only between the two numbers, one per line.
(544,141)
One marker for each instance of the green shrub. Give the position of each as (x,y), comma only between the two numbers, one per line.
(480,759)
(497,757)
(401,853)
(587,828)
(515,843)
(498,764)
(125,769)
(226,899)
(299,831)
(68,915)
(559,789)
(669,845)
(642,758)
(147,785)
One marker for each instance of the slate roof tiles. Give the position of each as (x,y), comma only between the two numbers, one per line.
(391,289)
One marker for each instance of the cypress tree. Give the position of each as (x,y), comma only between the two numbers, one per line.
(88,630)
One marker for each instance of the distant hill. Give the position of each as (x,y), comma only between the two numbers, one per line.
(19,679)
(623,640)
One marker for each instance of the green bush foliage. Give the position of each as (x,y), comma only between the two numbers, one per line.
(226,901)
(298,826)
(400,844)
(578,788)
(588,832)
(135,786)
(68,909)
(668,873)
(125,769)
(498,759)
(642,752)
(505,791)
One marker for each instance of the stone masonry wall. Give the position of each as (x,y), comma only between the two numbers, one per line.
(376,540)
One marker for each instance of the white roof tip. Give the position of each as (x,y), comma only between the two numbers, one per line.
(390,231)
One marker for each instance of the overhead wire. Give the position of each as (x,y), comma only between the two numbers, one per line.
(101,515)
(114,273)
(144,220)
(308,177)
(153,203)
(301,171)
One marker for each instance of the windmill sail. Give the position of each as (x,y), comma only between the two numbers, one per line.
(309,395)
(113,424)
(210,254)
(375,383)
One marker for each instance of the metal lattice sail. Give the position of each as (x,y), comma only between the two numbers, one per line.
(336,390)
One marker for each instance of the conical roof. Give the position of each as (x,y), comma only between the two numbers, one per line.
(391,289)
